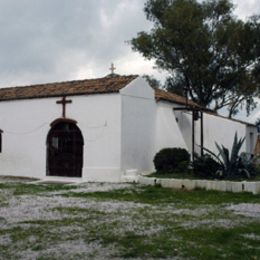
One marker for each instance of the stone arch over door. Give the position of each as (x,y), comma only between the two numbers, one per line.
(65,149)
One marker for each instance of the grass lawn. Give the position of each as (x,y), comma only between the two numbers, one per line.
(108,221)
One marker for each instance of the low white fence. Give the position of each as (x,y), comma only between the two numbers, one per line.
(232,186)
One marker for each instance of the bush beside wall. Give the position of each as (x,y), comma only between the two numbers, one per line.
(171,160)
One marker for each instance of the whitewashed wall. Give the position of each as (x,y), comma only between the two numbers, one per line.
(138,125)
(184,123)
(216,129)
(26,124)
(121,132)
(222,130)
(167,133)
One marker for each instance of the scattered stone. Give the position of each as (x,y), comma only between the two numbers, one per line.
(251,236)
(246,209)
(5,240)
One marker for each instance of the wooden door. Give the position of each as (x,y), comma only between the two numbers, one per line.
(65,150)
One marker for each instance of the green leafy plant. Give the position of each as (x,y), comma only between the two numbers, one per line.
(171,159)
(205,166)
(249,164)
(233,164)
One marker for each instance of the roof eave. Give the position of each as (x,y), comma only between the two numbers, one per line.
(58,95)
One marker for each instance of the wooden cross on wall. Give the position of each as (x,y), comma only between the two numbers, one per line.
(63,102)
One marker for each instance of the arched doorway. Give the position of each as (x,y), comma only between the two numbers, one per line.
(64,149)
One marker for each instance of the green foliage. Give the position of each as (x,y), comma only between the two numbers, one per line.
(206,167)
(257,170)
(175,85)
(232,163)
(153,82)
(248,164)
(206,49)
(171,159)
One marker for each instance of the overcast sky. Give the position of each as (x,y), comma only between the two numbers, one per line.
(56,40)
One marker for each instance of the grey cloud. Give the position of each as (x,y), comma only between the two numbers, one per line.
(42,40)
(51,40)
(245,9)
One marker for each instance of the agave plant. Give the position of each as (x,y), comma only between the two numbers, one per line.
(232,164)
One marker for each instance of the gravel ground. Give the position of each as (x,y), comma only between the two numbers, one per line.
(19,211)
(246,209)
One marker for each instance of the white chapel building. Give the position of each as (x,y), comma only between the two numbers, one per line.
(103,129)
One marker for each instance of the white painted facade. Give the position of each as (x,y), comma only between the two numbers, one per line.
(138,126)
(168,133)
(26,124)
(122,132)
(216,129)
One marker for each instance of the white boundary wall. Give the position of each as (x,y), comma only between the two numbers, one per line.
(187,184)
(216,129)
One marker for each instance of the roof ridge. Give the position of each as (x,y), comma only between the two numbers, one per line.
(67,88)
(167,96)
(68,82)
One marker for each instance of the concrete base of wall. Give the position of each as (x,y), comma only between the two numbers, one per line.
(130,176)
(231,186)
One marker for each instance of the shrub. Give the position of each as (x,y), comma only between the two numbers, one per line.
(171,159)
(230,159)
(206,167)
(257,169)
(247,165)
(233,165)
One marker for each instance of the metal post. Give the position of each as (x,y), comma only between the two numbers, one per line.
(201,133)
(193,133)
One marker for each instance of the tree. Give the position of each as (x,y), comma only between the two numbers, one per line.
(207,51)
(152,81)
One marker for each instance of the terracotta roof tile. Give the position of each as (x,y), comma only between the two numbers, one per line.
(82,87)
(171,97)
(68,88)
(89,86)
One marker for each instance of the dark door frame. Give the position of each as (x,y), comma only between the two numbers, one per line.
(65,159)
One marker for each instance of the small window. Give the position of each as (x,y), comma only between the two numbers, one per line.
(1,140)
